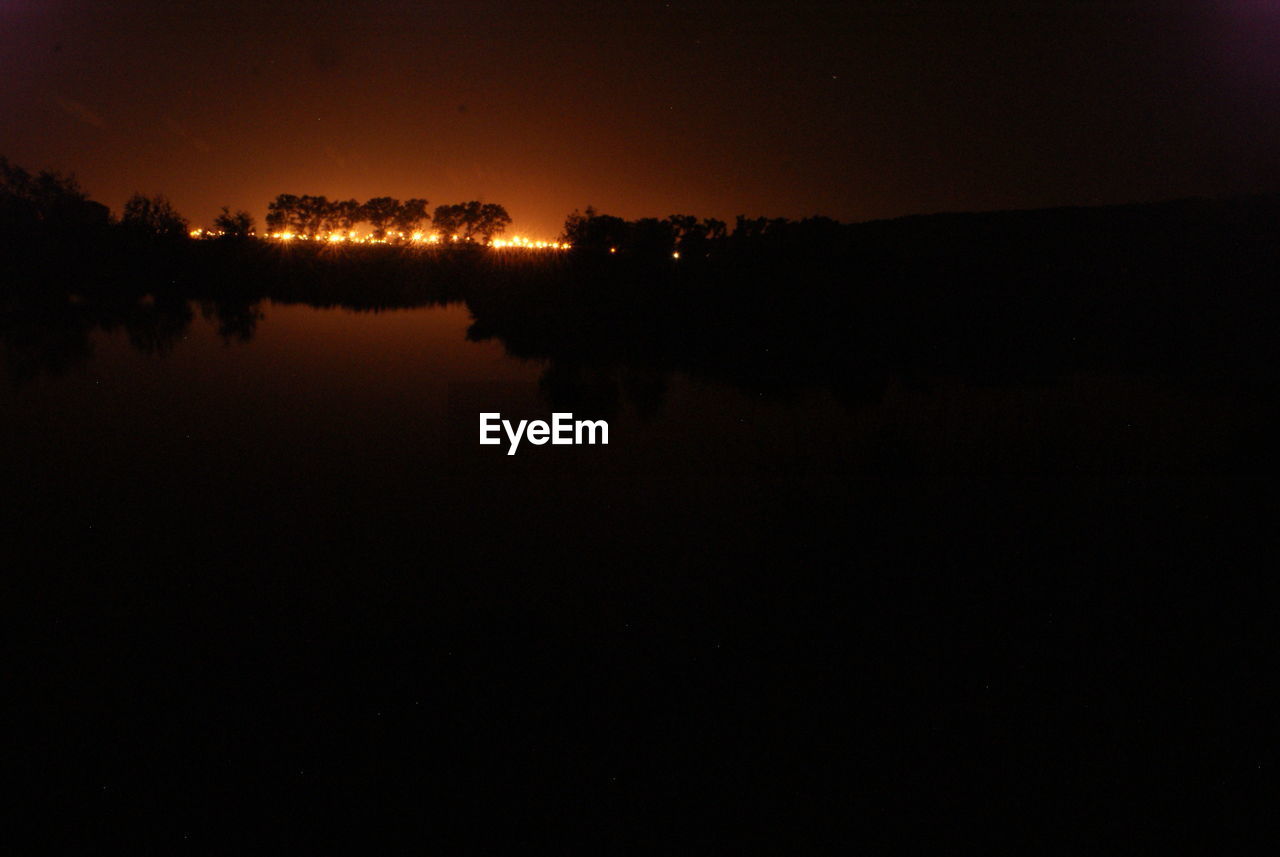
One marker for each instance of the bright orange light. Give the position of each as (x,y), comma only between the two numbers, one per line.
(516,241)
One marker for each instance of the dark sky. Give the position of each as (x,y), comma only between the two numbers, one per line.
(856,109)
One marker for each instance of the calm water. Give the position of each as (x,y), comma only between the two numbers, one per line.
(331,433)
(283,563)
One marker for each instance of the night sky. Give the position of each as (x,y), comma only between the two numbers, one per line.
(856,110)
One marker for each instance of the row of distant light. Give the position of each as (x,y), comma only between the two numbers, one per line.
(520,242)
(517,242)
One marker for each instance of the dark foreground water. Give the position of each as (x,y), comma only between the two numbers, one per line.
(264,589)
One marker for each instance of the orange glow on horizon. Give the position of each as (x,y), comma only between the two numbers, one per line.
(516,242)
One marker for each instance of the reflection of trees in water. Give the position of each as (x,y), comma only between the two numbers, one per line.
(1006,298)
(237,319)
(47,343)
(52,338)
(156,327)
(597,392)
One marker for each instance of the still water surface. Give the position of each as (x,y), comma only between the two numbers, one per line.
(348,441)
(236,553)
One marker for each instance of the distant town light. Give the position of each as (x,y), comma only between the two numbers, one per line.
(351,237)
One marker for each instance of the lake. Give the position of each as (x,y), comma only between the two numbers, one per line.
(256,557)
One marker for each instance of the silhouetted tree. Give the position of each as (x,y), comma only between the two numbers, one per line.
(282,213)
(238,225)
(410,216)
(694,238)
(594,232)
(380,212)
(315,215)
(153,216)
(757,228)
(491,221)
(684,225)
(449,221)
(45,200)
(716,229)
(651,238)
(346,214)
(472,221)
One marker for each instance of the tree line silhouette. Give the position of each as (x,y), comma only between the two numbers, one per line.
(389,219)
(1162,286)
(46,201)
(54,206)
(688,237)
(51,205)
